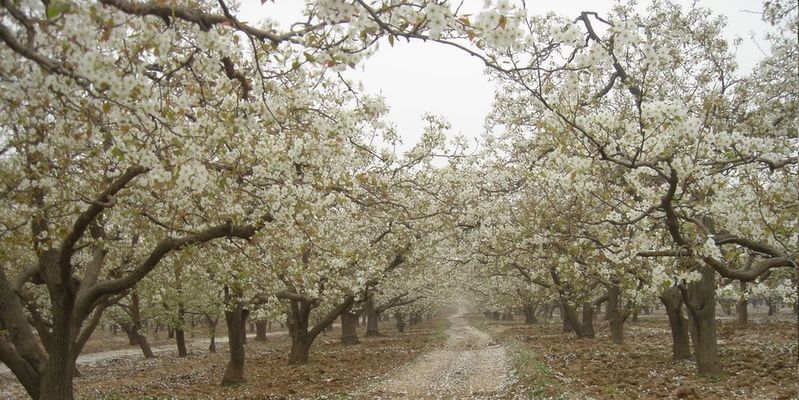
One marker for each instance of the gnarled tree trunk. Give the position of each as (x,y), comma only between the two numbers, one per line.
(260,331)
(302,335)
(400,319)
(530,313)
(236,318)
(700,301)
(349,327)
(742,309)
(372,317)
(680,345)
(588,321)
(615,314)
(212,332)
(134,329)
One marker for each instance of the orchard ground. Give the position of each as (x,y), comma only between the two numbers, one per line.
(456,357)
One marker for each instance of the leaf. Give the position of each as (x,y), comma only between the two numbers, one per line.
(391,40)
(56,8)
(116,152)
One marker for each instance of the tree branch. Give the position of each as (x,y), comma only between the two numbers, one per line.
(88,216)
(162,249)
(330,317)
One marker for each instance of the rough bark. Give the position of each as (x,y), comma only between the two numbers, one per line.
(726,307)
(58,371)
(742,309)
(302,335)
(550,311)
(400,319)
(772,307)
(135,328)
(236,318)
(372,317)
(138,339)
(211,322)
(567,322)
(615,314)
(673,303)
(349,327)
(530,313)
(700,301)
(260,331)
(180,340)
(587,327)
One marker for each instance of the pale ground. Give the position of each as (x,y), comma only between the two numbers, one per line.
(469,366)
(135,352)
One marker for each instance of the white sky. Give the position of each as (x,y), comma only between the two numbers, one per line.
(416,77)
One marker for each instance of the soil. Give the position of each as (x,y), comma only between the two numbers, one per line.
(334,369)
(759,362)
(474,358)
(469,366)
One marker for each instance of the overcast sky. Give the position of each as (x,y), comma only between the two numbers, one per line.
(416,77)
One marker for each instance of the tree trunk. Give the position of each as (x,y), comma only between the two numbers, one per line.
(244,330)
(772,307)
(550,311)
(59,369)
(572,323)
(615,314)
(680,346)
(349,327)
(300,350)
(400,322)
(144,345)
(180,335)
(180,339)
(211,332)
(588,321)
(56,379)
(726,307)
(235,320)
(530,313)
(567,323)
(260,331)
(136,338)
(372,318)
(170,332)
(741,309)
(298,316)
(700,300)
(133,340)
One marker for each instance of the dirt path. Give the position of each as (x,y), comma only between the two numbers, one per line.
(469,366)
